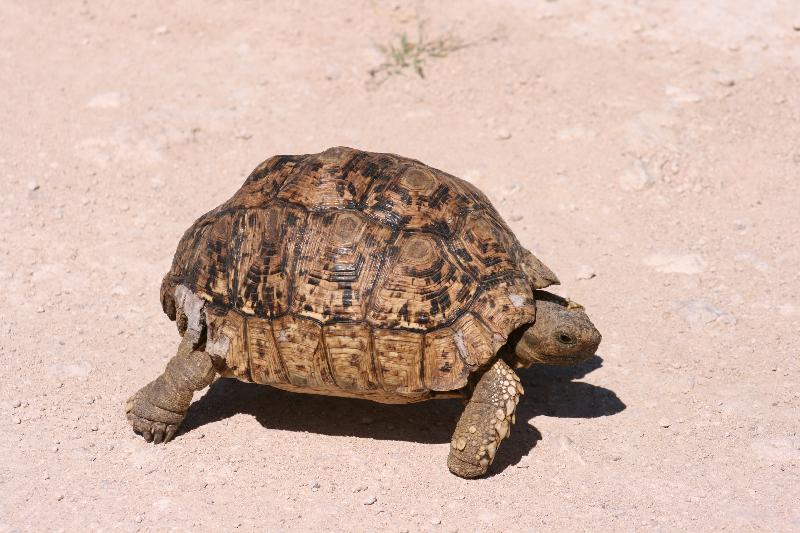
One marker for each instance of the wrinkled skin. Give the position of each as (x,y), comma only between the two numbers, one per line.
(563,335)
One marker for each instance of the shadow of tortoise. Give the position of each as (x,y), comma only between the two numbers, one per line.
(549,391)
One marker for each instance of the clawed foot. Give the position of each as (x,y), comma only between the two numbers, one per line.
(485,422)
(154,423)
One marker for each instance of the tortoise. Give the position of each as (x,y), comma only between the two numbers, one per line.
(365,275)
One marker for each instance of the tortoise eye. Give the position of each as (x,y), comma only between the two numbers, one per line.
(565,338)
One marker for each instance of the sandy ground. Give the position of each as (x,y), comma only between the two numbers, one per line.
(651,147)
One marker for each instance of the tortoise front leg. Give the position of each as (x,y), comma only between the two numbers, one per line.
(159,407)
(485,422)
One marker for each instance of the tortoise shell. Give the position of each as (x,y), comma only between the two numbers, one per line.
(353,273)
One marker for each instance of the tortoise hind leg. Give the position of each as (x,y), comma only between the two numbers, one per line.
(485,422)
(159,407)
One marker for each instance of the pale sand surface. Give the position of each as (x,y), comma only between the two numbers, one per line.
(652,147)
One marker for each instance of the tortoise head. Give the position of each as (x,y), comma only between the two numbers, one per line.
(562,333)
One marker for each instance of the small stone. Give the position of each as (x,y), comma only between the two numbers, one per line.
(16,403)
(94,427)
(777,448)
(370,500)
(138,519)
(679,96)
(638,178)
(796,25)
(726,81)
(332,72)
(585,272)
(54,449)
(33,186)
(663,422)
(503,134)
(45,475)
(315,486)
(698,313)
(436,521)
(161,30)
(16,420)
(59,497)
(676,264)
(108,100)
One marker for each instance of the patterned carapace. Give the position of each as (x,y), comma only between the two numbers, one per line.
(355,271)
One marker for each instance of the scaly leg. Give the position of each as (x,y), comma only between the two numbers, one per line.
(159,407)
(485,422)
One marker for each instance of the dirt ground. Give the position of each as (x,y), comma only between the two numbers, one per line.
(648,152)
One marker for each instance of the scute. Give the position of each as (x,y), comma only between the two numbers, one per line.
(338,263)
(422,287)
(355,273)
(421,198)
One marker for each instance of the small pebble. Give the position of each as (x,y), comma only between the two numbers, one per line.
(94,427)
(503,134)
(698,313)
(585,272)
(60,497)
(110,100)
(16,420)
(16,403)
(370,500)
(436,521)
(638,177)
(676,263)
(726,81)
(161,30)
(138,519)
(663,422)
(315,486)
(796,25)
(33,186)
